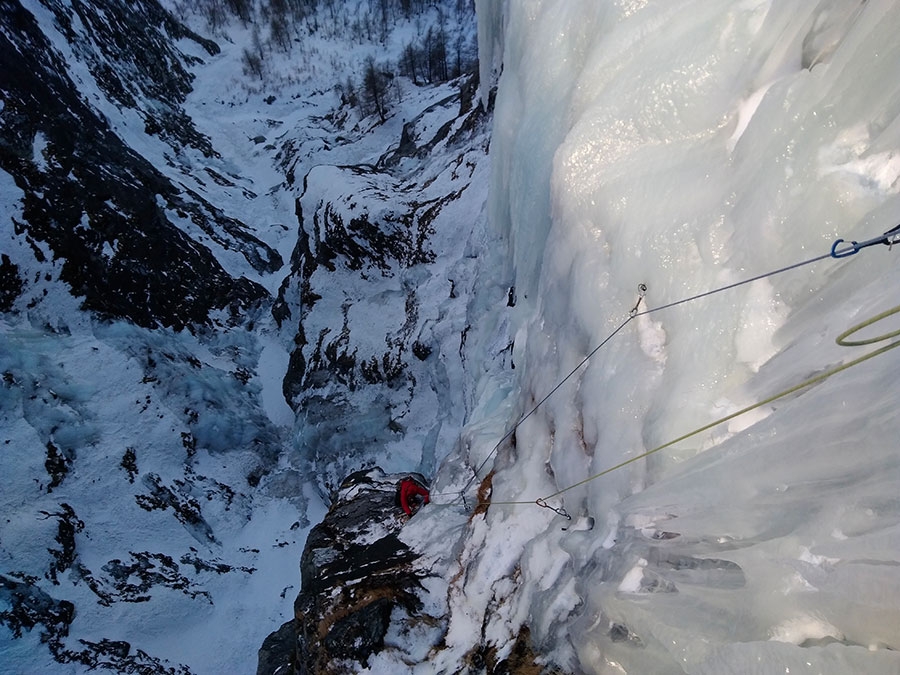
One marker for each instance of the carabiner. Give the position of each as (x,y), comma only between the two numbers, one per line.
(844,254)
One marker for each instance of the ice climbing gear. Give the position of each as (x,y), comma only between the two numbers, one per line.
(557,509)
(840,340)
(642,290)
(889,238)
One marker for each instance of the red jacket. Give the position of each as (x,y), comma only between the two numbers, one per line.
(408,491)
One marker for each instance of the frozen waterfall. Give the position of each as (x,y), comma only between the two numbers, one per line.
(688,145)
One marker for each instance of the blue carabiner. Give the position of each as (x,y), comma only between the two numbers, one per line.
(844,254)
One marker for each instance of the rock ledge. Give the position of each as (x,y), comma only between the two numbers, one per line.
(356,576)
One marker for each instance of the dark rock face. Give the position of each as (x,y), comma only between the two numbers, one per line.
(356,574)
(372,238)
(30,608)
(129,52)
(276,656)
(89,199)
(10,283)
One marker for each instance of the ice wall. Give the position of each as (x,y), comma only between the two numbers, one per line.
(687,145)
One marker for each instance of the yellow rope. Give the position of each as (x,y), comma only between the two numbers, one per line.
(844,342)
(840,340)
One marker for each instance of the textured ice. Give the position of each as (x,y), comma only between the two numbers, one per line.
(687,146)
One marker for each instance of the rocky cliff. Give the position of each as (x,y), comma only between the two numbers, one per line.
(92,201)
(365,592)
(358,581)
(188,263)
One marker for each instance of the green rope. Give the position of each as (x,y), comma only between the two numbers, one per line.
(889,238)
(844,342)
(840,340)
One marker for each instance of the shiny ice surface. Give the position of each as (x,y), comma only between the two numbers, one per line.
(688,145)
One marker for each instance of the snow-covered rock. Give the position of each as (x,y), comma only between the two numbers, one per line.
(358,579)
(234,272)
(87,197)
(157,483)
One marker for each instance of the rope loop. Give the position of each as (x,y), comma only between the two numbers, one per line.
(844,342)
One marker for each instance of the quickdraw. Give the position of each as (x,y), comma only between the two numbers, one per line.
(559,510)
(889,238)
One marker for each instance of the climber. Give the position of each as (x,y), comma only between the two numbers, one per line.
(410,491)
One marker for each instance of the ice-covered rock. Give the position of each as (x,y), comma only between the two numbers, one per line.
(357,578)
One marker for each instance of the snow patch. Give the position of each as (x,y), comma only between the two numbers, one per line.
(799,629)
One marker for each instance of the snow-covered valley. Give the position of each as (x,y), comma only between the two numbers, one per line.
(158,486)
(230,277)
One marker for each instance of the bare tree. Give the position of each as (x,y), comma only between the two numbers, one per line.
(252,63)
(435,51)
(348,93)
(215,14)
(409,62)
(280,24)
(375,88)
(242,9)
(383,10)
